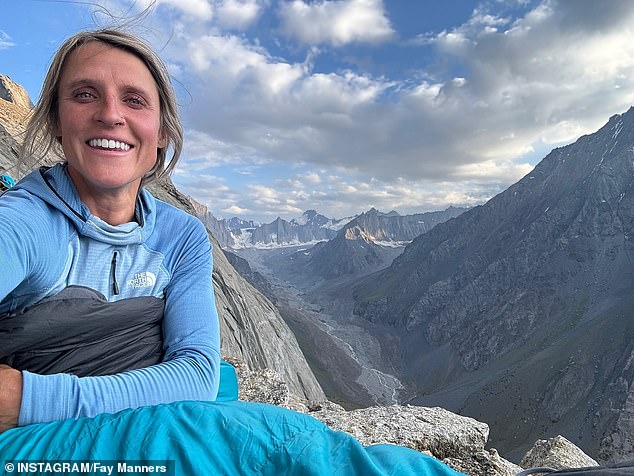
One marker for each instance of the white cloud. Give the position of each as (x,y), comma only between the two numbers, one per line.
(5,41)
(511,88)
(236,210)
(336,22)
(238,14)
(199,9)
(313,178)
(229,61)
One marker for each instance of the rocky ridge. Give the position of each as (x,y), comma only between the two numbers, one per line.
(400,228)
(518,312)
(12,92)
(219,228)
(283,232)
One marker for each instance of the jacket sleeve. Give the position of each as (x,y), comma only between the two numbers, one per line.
(25,234)
(191,366)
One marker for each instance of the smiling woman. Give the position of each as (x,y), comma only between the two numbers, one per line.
(109,126)
(106,298)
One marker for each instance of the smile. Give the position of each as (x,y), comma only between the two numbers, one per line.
(109,144)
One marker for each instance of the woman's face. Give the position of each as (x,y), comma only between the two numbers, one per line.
(109,121)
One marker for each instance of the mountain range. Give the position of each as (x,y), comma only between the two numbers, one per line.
(388,229)
(371,241)
(520,312)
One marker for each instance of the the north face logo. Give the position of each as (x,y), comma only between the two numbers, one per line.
(142,280)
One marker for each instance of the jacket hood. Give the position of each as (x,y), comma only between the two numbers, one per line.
(54,186)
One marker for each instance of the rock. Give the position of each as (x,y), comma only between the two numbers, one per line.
(556,453)
(14,93)
(483,463)
(253,330)
(264,385)
(456,440)
(438,431)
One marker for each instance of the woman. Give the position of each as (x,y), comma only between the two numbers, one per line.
(106,298)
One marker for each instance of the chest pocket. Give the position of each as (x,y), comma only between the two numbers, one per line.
(118,272)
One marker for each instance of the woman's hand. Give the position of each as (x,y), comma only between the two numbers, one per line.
(10,397)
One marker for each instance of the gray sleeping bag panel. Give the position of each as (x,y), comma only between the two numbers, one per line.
(78,331)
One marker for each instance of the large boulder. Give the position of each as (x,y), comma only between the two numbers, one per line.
(556,453)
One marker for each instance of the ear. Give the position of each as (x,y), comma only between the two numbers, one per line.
(57,132)
(162,141)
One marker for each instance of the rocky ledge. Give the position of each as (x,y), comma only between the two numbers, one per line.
(456,440)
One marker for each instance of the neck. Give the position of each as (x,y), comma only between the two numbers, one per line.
(114,206)
(112,210)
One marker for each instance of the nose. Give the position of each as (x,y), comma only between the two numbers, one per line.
(109,112)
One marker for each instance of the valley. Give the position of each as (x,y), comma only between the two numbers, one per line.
(351,364)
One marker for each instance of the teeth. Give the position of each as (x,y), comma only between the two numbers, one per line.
(108,144)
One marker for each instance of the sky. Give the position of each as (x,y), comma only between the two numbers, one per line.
(344,105)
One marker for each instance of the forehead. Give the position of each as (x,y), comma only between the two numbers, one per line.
(99,61)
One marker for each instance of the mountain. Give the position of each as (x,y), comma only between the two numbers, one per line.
(392,227)
(255,278)
(13,93)
(311,227)
(219,228)
(251,327)
(357,249)
(236,233)
(520,312)
(236,224)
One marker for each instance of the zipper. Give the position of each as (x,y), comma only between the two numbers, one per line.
(113,271)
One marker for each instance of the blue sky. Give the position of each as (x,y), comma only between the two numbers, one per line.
(343,105)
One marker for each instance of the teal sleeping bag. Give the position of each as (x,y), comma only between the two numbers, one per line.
(226,437)
(212,438)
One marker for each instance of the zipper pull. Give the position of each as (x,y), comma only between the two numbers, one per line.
(113,270)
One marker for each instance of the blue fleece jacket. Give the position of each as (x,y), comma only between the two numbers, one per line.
(49,240)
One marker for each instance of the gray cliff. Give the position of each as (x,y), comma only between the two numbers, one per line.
(519,312)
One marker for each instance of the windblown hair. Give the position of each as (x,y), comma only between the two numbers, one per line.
(40,137)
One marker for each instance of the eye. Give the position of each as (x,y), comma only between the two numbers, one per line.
(85,95)
(136,101)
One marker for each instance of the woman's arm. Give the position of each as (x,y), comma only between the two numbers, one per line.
(190,370)
(10,397)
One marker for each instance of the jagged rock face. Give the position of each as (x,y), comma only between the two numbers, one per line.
(218,228)
(254,331)
(530,294)
(350,253)
(251,328)
(284,232)
(14,93)
(312,218)
(256,279)
(401,228)
(354,251)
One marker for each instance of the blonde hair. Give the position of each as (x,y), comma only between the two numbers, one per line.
(40,137)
